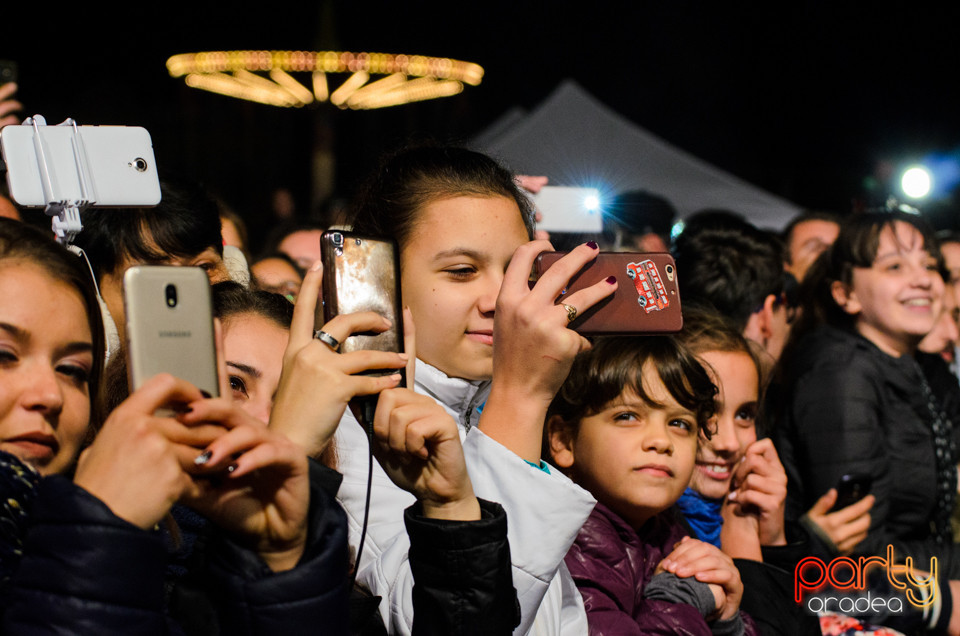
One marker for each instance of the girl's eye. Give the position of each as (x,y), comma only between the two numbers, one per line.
(237,386)
(683,424)
(626,416)
(746,413)
(7,357)
(460,272)
(78,374)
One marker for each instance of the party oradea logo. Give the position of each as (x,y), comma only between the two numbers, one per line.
(838,586)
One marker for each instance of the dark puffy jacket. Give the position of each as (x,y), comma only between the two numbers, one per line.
(612,563)
(463,582)
(851,408)
(86,571)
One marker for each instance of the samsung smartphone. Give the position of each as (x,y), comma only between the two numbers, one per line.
(647,299)
(170,326)
(362,273)
(565,209)
(119,164)
(851,488)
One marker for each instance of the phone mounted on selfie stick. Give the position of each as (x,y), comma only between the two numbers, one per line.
(67,168)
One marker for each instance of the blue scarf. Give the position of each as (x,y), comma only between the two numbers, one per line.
(702,514)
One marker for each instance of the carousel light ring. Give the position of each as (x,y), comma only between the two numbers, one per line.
(268,77)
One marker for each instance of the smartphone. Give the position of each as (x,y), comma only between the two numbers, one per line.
(119,165)
(566,209)
(851,488)
(647,299)
(170,326)
(362,273)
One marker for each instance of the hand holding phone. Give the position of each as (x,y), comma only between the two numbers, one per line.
(851,488)
(534,347)
(360,274)
(844,527)
(647,299)
(317,382)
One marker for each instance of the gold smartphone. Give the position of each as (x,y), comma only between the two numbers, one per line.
(362,273)
(170,326)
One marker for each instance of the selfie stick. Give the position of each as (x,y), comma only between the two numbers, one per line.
(65,214)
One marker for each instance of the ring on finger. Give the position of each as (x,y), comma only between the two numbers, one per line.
(327,339)
(571,312)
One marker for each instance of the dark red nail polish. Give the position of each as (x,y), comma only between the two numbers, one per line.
(592,245)
(611,279)
(204,393)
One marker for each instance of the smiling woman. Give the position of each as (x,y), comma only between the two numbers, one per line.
(859,398)
(50,350)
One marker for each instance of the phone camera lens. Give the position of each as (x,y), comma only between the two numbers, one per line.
(337,239)
(357,241)
(669,269)
(171,294)
(139,164)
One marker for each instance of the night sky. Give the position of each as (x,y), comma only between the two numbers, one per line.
(808,102)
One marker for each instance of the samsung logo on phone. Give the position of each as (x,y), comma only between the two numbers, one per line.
(175,334)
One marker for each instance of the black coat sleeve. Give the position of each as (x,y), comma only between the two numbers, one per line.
(462,575)
(253,600)
(768,599)
(84,570)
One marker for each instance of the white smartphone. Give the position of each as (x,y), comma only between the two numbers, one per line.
(565,209)
(170,326)
(119,162)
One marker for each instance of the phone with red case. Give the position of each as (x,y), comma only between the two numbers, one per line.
(646,301)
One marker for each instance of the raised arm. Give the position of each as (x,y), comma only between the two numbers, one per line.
(532,346)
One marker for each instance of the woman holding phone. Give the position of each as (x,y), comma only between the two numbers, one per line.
(856,399)
(72,529)
(492,351)
(305,391)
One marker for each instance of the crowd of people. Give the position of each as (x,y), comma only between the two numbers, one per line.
(527,479)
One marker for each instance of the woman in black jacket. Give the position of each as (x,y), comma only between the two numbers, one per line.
(854,400)
(81,555)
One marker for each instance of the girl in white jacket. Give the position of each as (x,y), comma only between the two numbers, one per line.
(493,351)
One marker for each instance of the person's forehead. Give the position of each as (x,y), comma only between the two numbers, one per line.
(301,239)
(815,228)
(471,216)
(275,267)
(951,254)
(899,239)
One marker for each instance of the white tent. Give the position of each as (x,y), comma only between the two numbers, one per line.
(577,141)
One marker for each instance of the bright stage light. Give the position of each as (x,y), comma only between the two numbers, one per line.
(916,182)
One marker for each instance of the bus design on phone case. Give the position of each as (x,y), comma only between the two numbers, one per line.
(646,278)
